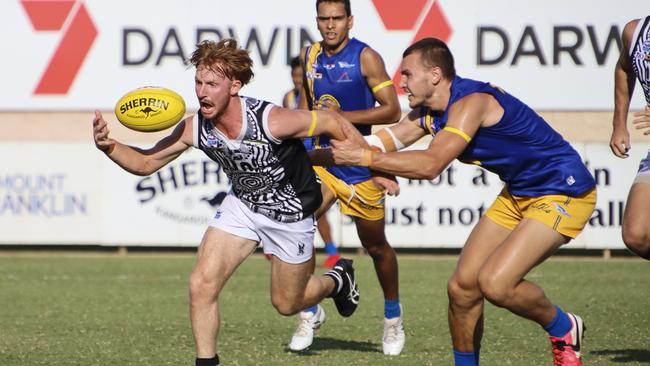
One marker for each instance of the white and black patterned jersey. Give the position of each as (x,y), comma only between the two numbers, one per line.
(272,177)
(640,55)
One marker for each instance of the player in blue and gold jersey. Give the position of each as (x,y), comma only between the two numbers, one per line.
(291,100)
(548,196)
(345,75)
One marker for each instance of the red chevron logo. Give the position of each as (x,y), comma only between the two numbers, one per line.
(424,16)
(79,32)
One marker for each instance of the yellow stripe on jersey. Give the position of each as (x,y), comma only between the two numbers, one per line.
(314,51)
(475,162)
(381,85)
(426,121)
(459,133)
(313,124)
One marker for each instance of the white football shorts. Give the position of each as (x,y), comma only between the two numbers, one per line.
(291,242)
(643,174)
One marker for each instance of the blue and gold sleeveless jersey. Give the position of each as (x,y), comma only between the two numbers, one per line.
(522,149)
(338,78)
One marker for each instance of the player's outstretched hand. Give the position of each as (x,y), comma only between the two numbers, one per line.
(100,133)
(346,152)
(642,120)
(386,182)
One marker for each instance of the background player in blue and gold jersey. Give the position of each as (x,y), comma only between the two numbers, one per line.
(291,100)
(548,196)
(345,75)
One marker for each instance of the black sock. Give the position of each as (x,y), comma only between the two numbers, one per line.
(338,282)
(214,361)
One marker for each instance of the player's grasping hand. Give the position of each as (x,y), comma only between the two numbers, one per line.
(642,120)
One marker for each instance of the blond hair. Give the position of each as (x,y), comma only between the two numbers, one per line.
(224,57)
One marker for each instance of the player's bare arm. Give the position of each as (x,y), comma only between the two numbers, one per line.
(393,138)
(465,117)
(400,135)
(140,161)
(285,124)
(388,111)
(623,87)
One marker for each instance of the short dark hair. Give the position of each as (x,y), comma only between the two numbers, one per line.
(295,62)
(346,4)
(434,52)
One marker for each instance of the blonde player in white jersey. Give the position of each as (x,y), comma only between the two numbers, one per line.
(634,63)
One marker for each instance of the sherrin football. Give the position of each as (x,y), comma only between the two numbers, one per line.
(150,109)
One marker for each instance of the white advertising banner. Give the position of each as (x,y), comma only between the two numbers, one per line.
(85,54)
(64,194)
(50,193)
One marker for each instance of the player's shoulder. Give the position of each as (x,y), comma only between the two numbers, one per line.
(368,51)
(285,98)
(305,49)
(277,112)
(371,59)
(632,23)
(477,102)
(628,32)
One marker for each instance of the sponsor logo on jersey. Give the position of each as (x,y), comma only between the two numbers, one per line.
(646,46)
(211,140)
(541,207)
(562,210)
(570,180)
(345,65)
(344,78)
(314,75)
(329,66)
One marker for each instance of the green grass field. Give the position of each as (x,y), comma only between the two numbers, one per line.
(132,310)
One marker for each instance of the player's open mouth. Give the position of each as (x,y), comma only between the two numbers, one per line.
(206,105)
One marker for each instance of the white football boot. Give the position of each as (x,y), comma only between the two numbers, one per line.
(393,341)
(303,337)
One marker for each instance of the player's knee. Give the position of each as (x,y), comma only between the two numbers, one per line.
(376,248)
(494,290)
(201,287)
(637,239)
(286,306)
(462,292)
(286,303)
